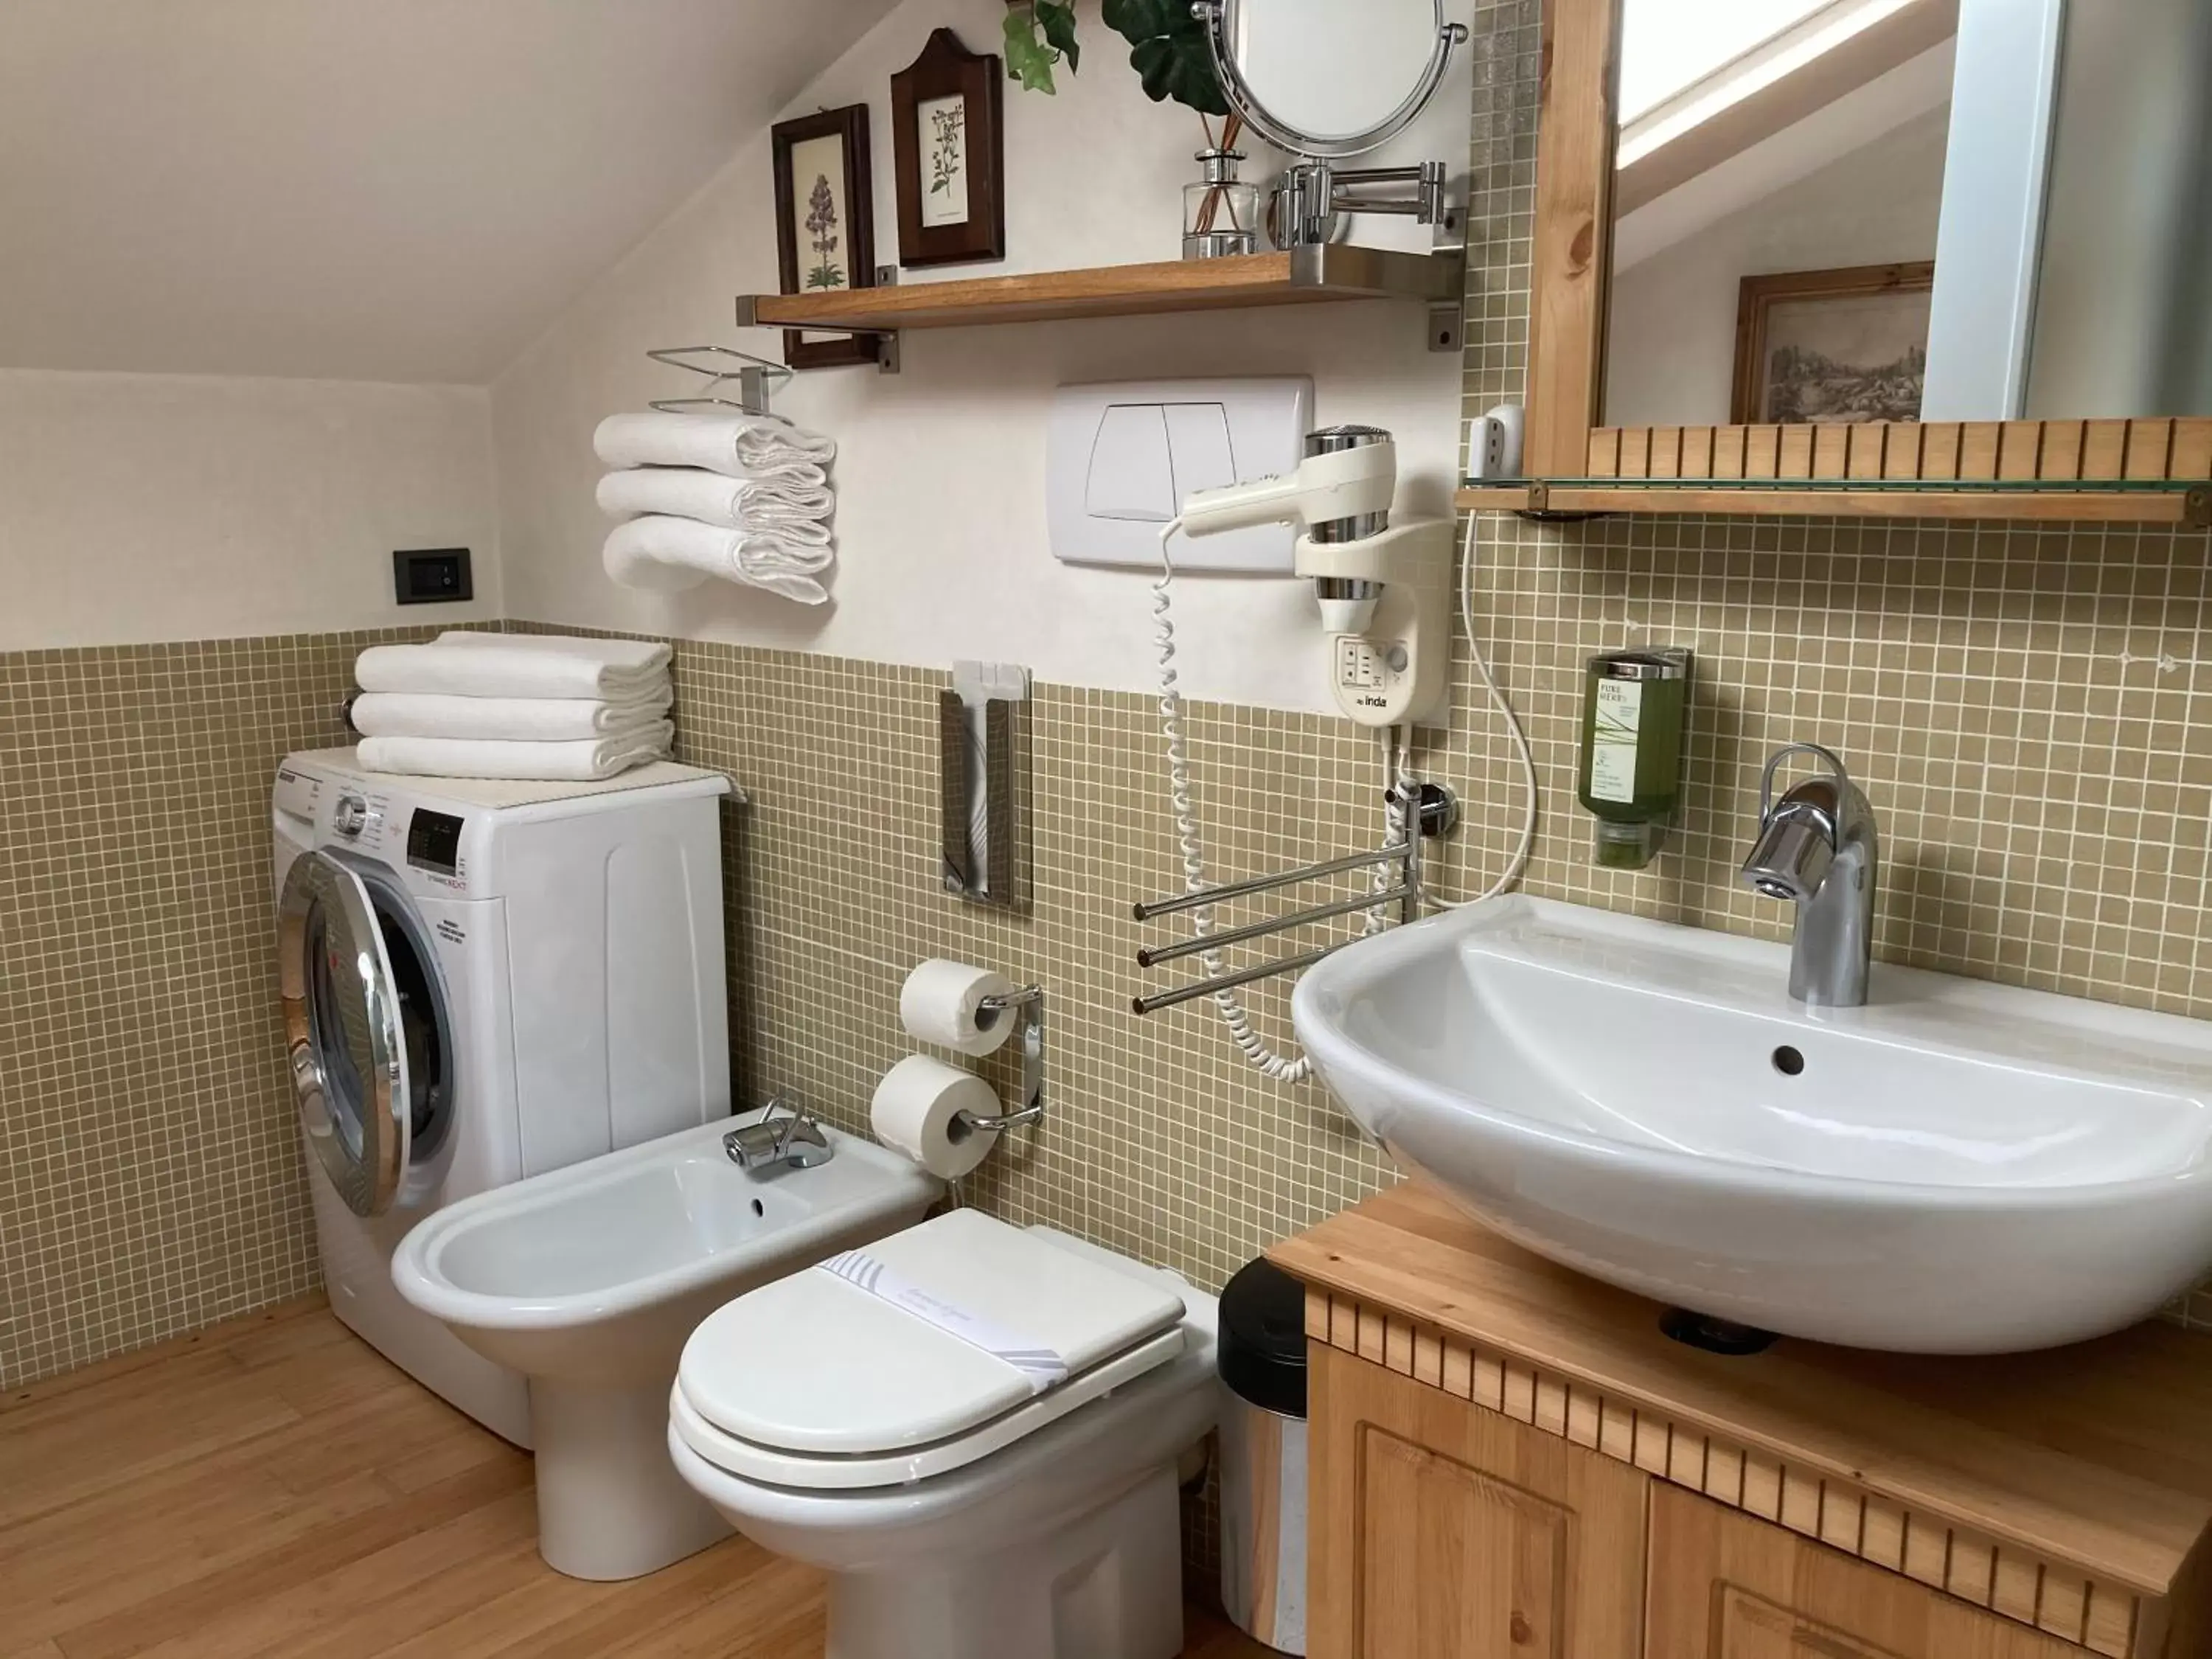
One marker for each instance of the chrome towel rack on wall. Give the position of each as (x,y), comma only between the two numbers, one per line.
(1439,815)
(755,379)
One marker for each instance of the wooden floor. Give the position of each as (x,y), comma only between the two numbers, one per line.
(275,1488)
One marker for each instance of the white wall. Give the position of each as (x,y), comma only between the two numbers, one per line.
(1670,355)
(942,547)
(148,507)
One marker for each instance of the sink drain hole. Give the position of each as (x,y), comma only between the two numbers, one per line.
(1714,1335)
(1787,1060)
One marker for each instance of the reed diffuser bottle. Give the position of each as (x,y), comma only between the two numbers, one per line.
(1220,214)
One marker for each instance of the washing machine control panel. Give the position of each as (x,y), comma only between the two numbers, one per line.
(351,816)
(433,842)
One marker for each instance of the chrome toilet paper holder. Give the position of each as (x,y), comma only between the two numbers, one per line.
(1028,1001)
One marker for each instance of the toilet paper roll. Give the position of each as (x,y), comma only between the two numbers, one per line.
(916,1111)
(942,1002)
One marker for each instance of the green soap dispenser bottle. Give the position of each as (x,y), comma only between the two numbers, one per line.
(1635,704)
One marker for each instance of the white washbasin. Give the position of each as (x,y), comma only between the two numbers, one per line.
(1955,1168)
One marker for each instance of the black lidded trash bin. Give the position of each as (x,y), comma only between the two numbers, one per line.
(1262,1349)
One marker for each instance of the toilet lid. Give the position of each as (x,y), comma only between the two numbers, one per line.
(920,1337)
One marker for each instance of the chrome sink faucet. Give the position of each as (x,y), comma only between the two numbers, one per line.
(794,1140)
(1818,848)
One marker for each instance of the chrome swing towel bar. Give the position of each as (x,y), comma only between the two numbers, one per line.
(1439,815)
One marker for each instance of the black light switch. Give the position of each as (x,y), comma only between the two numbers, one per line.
(432,575)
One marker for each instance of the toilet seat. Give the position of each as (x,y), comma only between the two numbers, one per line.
(817,1382)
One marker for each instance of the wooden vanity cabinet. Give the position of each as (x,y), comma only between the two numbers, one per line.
(1508,1460)
(1444,1532)
(1723,1587)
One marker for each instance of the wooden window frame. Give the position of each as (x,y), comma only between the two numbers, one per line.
(2033,470)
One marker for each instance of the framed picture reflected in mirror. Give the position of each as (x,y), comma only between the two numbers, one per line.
(1817,347)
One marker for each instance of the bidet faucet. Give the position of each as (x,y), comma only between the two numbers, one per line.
(1818,848)
(794,1140)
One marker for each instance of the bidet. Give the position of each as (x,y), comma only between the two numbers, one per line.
(589,1280)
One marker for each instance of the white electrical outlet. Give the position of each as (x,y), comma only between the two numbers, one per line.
(1494,443)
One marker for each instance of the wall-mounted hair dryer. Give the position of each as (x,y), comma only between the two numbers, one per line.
(1384,589)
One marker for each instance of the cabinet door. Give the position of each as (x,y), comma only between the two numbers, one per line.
(1724,1586)
(1439,1530)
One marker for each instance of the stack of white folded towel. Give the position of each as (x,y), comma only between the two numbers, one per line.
(473,705)
(743,498)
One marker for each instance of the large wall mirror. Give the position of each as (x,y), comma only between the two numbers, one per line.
(1981,230)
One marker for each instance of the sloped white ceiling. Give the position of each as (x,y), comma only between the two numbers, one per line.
(386,190)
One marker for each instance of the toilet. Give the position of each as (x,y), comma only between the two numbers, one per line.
(588,1280)
(974,1429)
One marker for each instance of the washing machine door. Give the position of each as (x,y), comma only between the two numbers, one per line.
(343,1031)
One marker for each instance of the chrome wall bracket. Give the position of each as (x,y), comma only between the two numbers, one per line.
(1437,814)
(886,339)
(1028,1002)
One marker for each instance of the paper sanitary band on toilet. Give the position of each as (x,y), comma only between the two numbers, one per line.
(1041,1367)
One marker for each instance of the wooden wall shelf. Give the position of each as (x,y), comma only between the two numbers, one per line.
(2047,470)
(2184,508)
(1300,276)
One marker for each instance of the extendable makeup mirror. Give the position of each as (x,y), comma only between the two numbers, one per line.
(1327,80)
(1330,79)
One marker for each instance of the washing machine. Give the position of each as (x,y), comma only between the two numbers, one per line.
(484,980)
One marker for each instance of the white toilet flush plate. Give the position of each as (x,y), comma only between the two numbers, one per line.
(1122,457)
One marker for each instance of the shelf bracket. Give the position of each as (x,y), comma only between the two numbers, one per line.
(887,340)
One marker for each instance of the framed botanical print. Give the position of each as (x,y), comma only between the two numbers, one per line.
(948,145)
(824,223)
(1814,347)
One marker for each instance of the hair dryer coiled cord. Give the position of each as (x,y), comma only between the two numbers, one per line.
(1190,840)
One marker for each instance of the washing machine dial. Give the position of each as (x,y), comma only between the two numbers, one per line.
(350,817)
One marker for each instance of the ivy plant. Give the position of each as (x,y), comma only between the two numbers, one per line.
(1167,48)
(1038,36)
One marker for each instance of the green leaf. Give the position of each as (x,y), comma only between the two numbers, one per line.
(1029,60)
(1137,19)
(1154,60)
(1059,24)
(1169,51)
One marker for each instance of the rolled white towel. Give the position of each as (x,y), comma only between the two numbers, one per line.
(588,760)
(530,719)
(715,498)
(669,555)
(480,668)
(734,444)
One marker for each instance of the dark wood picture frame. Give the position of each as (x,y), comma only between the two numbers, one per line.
(1757,296)
(857,240)
(947,70)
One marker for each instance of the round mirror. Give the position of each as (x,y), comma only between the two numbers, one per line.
(1330,78)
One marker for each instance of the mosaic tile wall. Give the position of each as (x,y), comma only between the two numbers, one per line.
(2026,706)
(150,1180)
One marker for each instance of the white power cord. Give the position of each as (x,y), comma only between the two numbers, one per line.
(1513,723)
(1191,840)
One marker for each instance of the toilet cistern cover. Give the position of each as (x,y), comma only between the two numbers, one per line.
(818,1364)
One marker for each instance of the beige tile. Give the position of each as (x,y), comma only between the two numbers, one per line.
(149,1171)
(2022,704)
